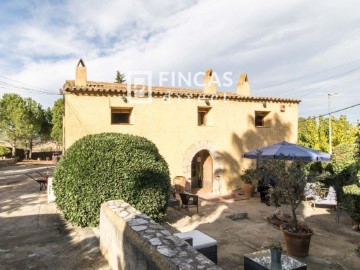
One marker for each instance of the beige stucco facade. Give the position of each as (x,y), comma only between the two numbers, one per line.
(169,118)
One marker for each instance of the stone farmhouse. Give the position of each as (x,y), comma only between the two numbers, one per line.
(201,133)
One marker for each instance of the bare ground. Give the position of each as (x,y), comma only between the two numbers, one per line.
(332,246)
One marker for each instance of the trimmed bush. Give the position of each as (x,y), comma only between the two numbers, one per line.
(110,166)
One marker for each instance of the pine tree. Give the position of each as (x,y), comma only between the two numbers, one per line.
(120,78)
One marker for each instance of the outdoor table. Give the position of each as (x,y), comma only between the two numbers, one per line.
(261,260)
(201,242)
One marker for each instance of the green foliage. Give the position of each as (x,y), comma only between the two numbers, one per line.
(46,127)
(316,135)
(57,121)
(346,176)
(351,201)
(12,111)
(110,166)
(273,244)
(250,175)
(343,156)
(21,120)
(120,78)
(32,122)
(357,154)
(4,150)
(308,133)
(290,179)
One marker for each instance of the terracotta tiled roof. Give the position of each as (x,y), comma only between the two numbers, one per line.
(94,88)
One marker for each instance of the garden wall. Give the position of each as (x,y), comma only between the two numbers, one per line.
(8,161)
(132,240)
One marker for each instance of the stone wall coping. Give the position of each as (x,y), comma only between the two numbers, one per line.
(156,240)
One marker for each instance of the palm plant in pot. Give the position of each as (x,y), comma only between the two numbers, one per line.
(290,178)
(249,177)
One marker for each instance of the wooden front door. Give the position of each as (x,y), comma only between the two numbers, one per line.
(207,170)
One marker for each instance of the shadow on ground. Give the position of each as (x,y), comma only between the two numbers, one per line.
(33,233)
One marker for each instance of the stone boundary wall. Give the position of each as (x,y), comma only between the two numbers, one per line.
(8,161)
(131,240)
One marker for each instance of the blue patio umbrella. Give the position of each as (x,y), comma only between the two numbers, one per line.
(288,151)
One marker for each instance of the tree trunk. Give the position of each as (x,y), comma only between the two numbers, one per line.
(30,149)
(13,151)
(293,210)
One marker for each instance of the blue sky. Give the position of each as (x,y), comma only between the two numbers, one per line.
(295,49)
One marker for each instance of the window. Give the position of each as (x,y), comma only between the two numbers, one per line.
(202,115)
(121,115)
(260,118)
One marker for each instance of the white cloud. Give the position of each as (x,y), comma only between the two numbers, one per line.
(275,42)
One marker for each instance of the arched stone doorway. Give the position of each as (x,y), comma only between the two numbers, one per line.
(217,165)
(202,171)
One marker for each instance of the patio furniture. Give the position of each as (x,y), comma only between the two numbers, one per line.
(179,183)
(172,198)
(42,180)
(261,260)
(329,200)
(309,192)
(201,242)
(189,200)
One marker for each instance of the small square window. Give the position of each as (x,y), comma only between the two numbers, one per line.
(260,118)
(121,115)
(202,116)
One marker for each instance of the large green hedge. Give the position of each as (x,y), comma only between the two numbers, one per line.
(351,202)
(109,166)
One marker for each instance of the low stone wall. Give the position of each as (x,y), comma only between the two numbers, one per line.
(8,161)
(132,240)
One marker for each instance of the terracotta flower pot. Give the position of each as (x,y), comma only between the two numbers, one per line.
(297,244)
(248,189)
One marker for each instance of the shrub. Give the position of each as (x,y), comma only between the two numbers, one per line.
(343,156)
(345,177)
(110,166)
(351,202)
(4,150)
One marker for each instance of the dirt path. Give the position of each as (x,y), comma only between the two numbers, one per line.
(32,232)
(332,246)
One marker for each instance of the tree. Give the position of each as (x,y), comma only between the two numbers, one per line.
(308,133)
(357,154)
(120,78)
(316,135)
(12,113)
(4,150)
(47,125)
(57,121)
(32,123)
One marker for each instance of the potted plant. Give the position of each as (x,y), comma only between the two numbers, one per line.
(275,249)
(249,177)
(290,179)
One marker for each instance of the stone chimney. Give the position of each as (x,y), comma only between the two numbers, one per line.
(209,83)
(80,79)
(243,86)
